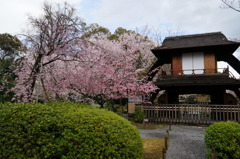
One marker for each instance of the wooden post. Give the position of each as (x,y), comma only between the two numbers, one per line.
(164,153)
(166,142)
(214,154)
(167,133)
(170,126)
(144,122)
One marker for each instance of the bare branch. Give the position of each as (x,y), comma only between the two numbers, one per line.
(231,4)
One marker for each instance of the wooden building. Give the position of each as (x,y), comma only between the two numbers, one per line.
(193,68)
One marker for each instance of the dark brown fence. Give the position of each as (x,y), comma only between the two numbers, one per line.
(190,113)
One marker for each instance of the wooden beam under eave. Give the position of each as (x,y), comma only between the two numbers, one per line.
(234,62)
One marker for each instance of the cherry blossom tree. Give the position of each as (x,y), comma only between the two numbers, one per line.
(116,64)
(108,70)
(51,37)
(61,64)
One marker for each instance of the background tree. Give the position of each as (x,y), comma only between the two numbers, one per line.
(10,47)
(95,30)
(157,34)
(119,32)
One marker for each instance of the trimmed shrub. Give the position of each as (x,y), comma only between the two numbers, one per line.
(225,138)
(66,130)
(139,115)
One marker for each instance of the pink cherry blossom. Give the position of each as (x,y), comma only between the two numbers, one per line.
(94,68)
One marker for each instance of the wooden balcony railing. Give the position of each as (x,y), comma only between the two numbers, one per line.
(218,71)
(191,113)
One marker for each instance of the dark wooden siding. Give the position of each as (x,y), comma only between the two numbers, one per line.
(177,64)
(210,63)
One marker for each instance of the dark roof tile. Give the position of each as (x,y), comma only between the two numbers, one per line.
(196,40)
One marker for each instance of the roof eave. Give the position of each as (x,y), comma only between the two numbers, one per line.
(179,48)
(231,48)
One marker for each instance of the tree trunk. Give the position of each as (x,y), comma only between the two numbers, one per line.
(33,76)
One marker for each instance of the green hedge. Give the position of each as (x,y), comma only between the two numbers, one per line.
(225,138)
(139,115)
(65,130)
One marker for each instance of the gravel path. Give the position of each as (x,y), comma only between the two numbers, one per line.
(186,142)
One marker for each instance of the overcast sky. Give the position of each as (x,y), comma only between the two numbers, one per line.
(187,16)
(184,16)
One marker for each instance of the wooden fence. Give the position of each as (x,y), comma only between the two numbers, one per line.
(190,113)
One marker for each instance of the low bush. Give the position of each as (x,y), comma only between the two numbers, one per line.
(66,130)
(225,138)
(139,115)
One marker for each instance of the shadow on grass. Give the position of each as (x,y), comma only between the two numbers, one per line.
(148,126)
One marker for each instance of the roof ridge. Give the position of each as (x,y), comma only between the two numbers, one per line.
(193,35)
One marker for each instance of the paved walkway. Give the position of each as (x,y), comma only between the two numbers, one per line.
(186,142)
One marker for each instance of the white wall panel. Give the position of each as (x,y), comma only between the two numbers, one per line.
(187,63)
(192,61)
(198,62)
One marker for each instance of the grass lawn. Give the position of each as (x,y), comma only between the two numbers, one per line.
(153,148)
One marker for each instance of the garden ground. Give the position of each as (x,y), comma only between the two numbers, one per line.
(186,142)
